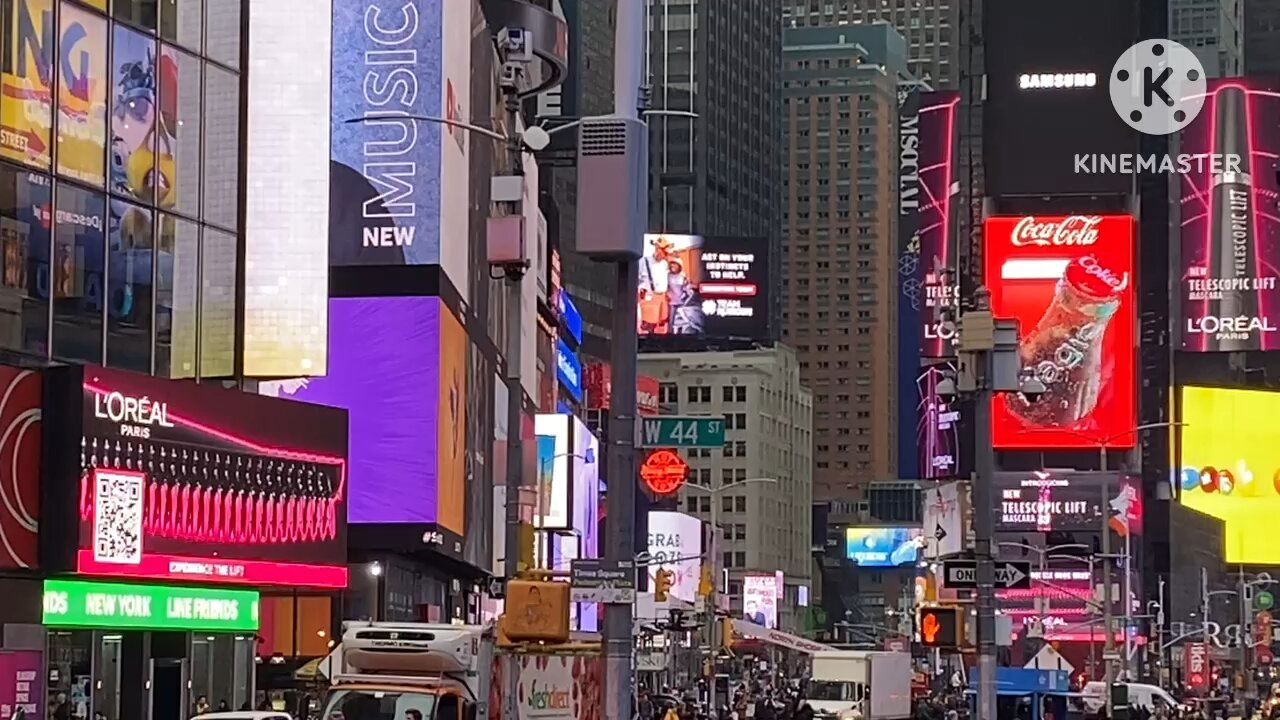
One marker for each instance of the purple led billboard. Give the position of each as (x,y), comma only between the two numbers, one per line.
(384,369)
(939,286)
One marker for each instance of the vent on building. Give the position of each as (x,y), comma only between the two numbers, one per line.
(603,137)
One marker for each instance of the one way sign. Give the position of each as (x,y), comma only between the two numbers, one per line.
(961,574)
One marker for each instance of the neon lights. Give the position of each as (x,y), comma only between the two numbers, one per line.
(207,569)
(1052,81)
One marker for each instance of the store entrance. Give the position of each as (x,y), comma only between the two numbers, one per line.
(147,675)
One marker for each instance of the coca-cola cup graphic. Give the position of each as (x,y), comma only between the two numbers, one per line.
(1064,349)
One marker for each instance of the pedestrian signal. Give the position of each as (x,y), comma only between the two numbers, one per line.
(535,611)
(662,582)
(940,627)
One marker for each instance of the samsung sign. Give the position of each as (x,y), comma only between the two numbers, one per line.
(570,318)
(569,370)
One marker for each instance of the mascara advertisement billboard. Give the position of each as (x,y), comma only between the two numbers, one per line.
(1068,281)
(1230,467)
(937,431)
(400,185)
(396,368)
(173,480)
(1046,501)
(1230,241)
(704,286)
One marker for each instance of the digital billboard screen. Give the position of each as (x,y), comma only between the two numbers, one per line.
(181,481)
(704,286)
(397,366)
(937,431)
(760,600)
(936,270)
(1068,281)
(1044,501)
(675,544)
(882,546)
(1230,467)
(554,494)
(1230,239)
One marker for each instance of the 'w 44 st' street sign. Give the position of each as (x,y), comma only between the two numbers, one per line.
(669,431)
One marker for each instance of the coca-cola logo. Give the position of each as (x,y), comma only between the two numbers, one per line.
(1115,282)
(1075,230)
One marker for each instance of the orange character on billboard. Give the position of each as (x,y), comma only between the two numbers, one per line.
(655,270)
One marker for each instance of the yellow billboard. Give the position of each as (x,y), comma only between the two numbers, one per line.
(26,113)
(1230,467)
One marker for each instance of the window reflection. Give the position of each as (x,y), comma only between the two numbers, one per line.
(181,22)
(27,95)
(176,273)
(217,304)
(78,241)
(180,139)
(135,116)
(24,251)
(82,95)
(222,20)
(130,246)
(139,12)
(222,140)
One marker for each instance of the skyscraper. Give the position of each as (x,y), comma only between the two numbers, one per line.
(929,27)
(1261,37)
(1213,30)
(839,266)
(718,173)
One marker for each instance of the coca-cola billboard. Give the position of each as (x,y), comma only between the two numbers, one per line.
(1068,280)
(1230,241)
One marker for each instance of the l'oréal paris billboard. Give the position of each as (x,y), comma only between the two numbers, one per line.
(1068,281)
(939,284)
(1230,235)
(938,431)
(1042,501)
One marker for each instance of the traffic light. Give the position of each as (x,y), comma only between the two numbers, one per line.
(705,588)
(662,582)
(726,633)
(536,610)
(941,627)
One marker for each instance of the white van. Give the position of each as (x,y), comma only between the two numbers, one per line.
(1148,697)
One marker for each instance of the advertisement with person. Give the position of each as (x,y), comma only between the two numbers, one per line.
(554,494)
(760,600)
(20,447)
(386,168)
(882,546)
(553,687)
(1068,281)
(1230,465)
(1230,242)
(400,455)
(706,286)
(451,409)
(675,544)
(181,481)
(82,95)
(1045,501)
(26,114)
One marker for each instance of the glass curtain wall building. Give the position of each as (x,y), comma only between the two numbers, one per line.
(119,182)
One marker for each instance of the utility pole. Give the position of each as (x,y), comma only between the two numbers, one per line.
(631,36)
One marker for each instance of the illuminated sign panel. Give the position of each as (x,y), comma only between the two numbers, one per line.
(1229,467)
(882,546)
(1068,280)
(76,603)
(1050,81)
(709,286)
(1042,501)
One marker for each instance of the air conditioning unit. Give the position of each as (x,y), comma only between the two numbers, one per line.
(410,648)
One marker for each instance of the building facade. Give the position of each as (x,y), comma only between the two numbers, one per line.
(1262,37)
(769,434)
(839,268)
(718,173)
(929,26)
(1215,32)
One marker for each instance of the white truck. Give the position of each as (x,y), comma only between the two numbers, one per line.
(409,671)
(873,685)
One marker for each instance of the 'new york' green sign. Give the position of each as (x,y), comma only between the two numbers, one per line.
(148,607)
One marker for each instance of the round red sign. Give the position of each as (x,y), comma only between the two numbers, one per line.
(663,472)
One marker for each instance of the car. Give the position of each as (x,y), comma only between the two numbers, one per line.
(1141,695)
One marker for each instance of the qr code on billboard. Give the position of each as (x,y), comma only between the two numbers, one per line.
(117,517)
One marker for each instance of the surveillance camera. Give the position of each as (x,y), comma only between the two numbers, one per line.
(510,78)
(1031,389)
(946,390)
(516,44)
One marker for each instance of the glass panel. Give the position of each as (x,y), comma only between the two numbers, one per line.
(130,246)
(78,251)
(221,146)
(26,113)
(222,20)
(139,12)
(202,669)
(70,687)
(217,304)
(181,22)
(106,692)
(242,684)
(82,96)
(176,274)
(180,136)
(133,114)
(24,277)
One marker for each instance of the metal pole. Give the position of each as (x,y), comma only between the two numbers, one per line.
(515,414)
(630,38)
(1108,626)
(983,532)
(1246,638)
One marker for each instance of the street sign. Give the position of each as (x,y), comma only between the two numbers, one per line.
(601,581)
(667,431)
(961,574)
